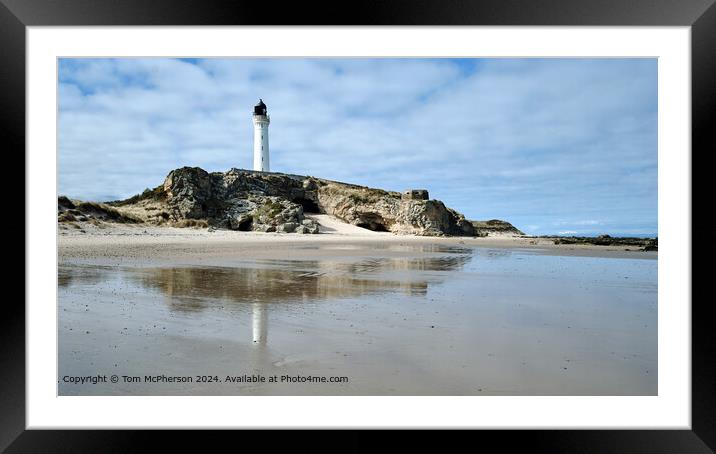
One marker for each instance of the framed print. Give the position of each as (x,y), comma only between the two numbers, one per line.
(416,216)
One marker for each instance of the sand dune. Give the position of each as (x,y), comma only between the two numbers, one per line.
(331,225)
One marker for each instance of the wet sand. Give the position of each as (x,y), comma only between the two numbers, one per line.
(393,315)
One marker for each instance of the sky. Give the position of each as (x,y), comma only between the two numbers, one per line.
(554,146)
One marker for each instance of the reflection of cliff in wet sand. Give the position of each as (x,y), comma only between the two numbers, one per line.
(256,286)
(189,288)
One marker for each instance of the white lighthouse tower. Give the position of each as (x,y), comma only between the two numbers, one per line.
(261,144)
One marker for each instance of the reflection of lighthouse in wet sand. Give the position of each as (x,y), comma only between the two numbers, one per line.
(260,323)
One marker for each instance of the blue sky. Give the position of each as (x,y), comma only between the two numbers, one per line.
(552,145)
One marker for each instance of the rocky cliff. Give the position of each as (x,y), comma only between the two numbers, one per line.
(276,202)
(495,227)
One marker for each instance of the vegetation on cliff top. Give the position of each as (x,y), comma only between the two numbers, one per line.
(156,194)
(77,210)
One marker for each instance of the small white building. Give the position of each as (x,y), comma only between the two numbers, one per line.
(261,142)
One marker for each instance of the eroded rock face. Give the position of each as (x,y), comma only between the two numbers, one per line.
(189,191)
(379,210)
(275,202)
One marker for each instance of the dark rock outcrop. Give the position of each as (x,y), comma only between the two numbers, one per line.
(239,200)
(646,244)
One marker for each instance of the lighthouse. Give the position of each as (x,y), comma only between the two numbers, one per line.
(261,144)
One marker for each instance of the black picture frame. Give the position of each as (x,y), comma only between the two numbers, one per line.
(700,15)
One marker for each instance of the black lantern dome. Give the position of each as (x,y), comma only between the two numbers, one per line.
(260,108)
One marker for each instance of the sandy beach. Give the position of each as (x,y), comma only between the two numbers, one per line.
(125,243)
(381,314)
